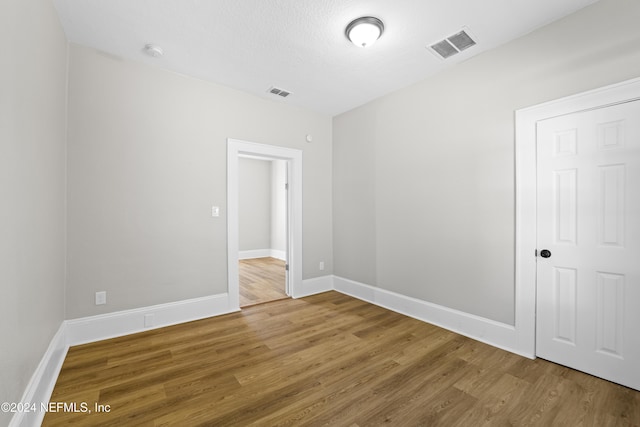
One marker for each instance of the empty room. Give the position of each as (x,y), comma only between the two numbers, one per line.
(320,212)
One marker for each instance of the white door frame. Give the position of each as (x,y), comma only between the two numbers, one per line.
(235,149)
(526,194)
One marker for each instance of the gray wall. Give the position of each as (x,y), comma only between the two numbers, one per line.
(254,204)
(32,189)
(147,160)
(423,179)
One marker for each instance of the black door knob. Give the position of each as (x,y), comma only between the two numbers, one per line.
(545,253)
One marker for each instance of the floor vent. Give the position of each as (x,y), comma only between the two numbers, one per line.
(280,92)
(453,44)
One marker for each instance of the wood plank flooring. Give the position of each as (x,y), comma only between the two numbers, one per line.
(328,359)
(261,280)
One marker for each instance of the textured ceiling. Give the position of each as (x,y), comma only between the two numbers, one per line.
(299,45)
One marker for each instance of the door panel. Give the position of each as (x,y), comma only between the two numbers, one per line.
(565,304)
(588,290)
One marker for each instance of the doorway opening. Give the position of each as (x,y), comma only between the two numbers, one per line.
(288,163)
(262,210)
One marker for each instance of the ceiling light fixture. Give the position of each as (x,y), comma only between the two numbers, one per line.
(363,32)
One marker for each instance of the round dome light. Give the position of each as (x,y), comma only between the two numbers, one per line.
(363,32)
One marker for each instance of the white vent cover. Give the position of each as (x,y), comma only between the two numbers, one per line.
(280,92)
(453,44)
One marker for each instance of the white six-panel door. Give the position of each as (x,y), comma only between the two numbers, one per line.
(588,289)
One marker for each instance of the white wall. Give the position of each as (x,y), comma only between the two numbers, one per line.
(423,179)
(147,160)
(32,189)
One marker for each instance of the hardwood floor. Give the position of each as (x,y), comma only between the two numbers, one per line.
(261,280)
(328,359)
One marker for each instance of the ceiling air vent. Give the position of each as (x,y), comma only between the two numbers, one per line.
(453,44)
(280,92)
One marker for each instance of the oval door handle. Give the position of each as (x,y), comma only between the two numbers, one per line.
(545,253)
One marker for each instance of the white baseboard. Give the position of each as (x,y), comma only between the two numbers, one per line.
(43,380)
(254,253)
(111,325)
(479,328)
(314,286)
(263,253)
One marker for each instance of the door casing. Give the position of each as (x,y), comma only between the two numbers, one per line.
(235,149)
(526,194)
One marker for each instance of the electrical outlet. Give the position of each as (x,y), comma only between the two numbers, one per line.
(101,297)
(321,265)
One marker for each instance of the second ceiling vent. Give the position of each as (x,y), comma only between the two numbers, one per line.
(278,91)
(453,44)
